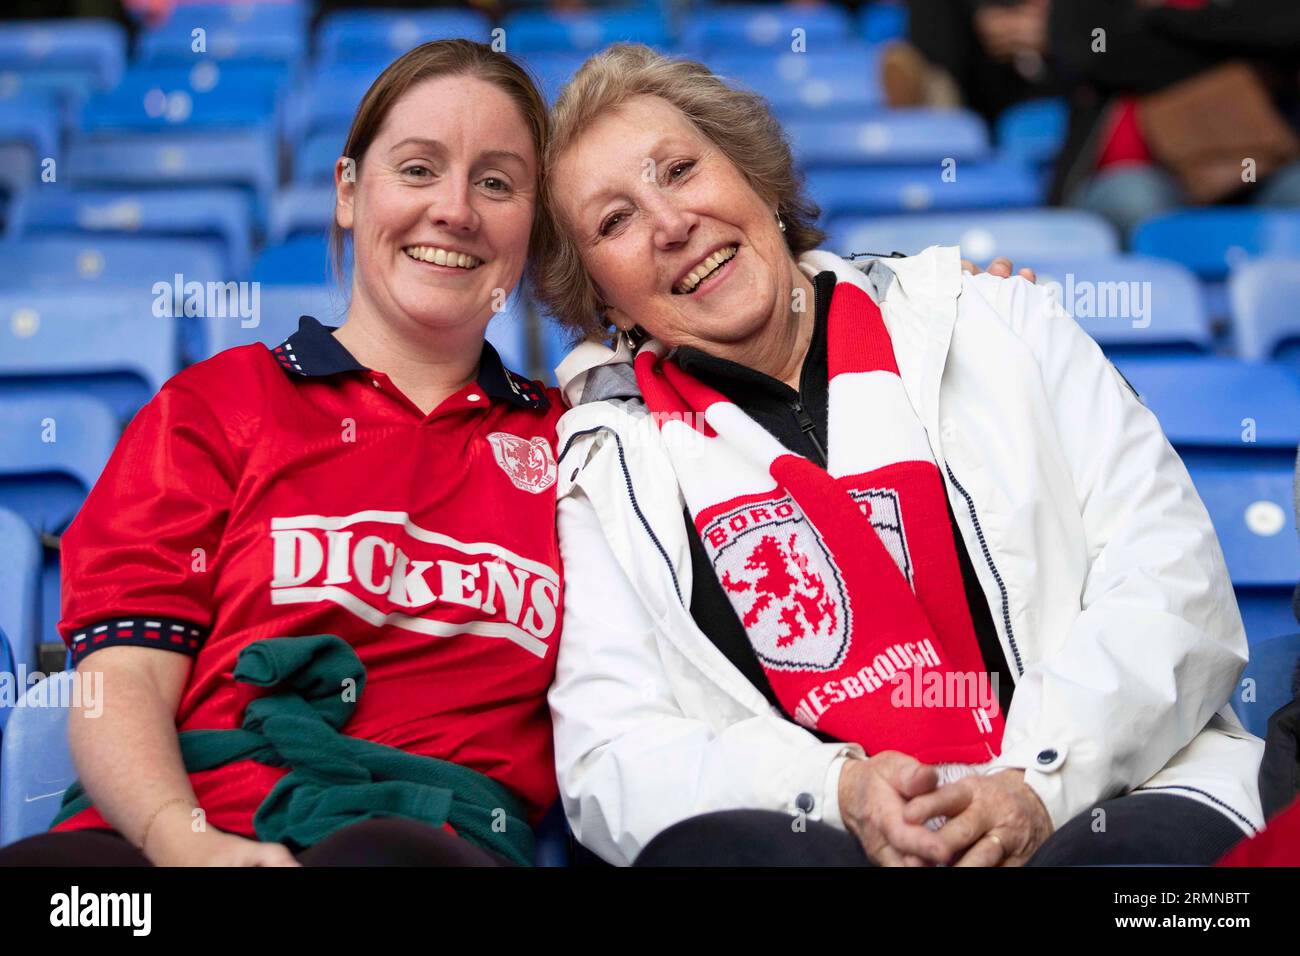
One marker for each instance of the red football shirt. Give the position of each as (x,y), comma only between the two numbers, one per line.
(268,493)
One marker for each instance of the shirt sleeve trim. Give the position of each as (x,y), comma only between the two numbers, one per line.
(165,633)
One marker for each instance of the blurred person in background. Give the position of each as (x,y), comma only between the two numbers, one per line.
(1177,102)
(983,54)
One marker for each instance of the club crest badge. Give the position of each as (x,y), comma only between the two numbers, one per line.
(528,464)
(781,580)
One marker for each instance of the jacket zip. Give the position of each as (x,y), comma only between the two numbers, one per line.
(809,428)
(997,576)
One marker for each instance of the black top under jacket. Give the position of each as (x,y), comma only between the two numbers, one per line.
(798,420)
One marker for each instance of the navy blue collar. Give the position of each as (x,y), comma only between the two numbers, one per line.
(313,352)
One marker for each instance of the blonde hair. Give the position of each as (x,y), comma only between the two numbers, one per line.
(737,122)
(438,58)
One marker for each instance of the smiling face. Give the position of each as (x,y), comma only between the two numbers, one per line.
(442,208)
(671,232)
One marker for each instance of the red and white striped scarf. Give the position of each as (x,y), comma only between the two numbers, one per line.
(846,578)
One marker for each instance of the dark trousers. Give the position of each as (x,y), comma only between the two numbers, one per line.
(387,841)
(1139,829)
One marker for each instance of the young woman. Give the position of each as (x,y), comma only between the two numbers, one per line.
(339,552)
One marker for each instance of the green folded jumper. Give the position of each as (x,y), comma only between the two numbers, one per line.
(336,780)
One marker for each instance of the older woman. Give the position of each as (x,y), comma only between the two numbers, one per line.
(321,581)
(865,565)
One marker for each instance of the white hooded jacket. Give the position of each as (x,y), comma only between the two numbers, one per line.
(1098,560)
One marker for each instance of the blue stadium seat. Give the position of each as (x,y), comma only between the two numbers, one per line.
(29,135)
(379,36)
(204,95)
(20,590)
(766,26)
(66,89)
(162,269)
(1222,411)
(841,82)
(92,46)
(1132,305)
(222,46)
(313,161)
(32,121)
(276,16)
(326,98)
(210,214)
(553,69)
(301,209)
(1254,515)
(1033,131)
(275,32)
(245,158)
(871,191)
(281,306)
(893,138)
(9,667)
(106,343)
(1266,316)
(88,263)
(1211,242)
(300,260)
(883,21)
(52,449)
(534,30)
(1272,664)
(1025,237)
(35,761)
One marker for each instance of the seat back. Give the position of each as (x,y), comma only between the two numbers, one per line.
(1253,514)
(380,36)
(35,761)
(223,216)
(1025,237)
(892,138)
(1034,130)
(1263,294)
(52,449)
(841,81)
(582,32)
(1211,242)
(108,344)
(1132,305)
(759,26)
(1221,411)
(20,589)
(1271,671)
(890,190)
